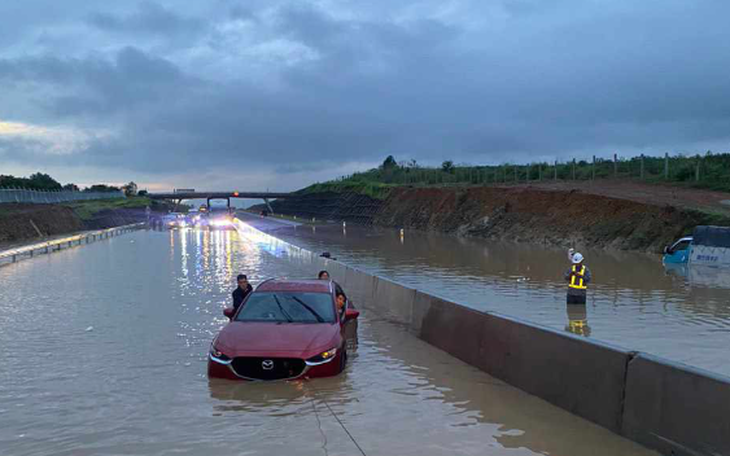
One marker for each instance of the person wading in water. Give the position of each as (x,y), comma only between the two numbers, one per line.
(578,278)
(243,290)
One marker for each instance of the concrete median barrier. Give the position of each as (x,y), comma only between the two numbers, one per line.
(453,328)
(359,285)
(583,377)
(393,300)
(676,409)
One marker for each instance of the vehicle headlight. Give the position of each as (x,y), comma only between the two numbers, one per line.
(324,357)
(219,355)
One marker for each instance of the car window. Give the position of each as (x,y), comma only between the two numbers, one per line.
(284,307)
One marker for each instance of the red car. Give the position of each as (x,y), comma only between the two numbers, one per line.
(284,330)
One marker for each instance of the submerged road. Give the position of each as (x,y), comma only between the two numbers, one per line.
(103,351)
(678,313)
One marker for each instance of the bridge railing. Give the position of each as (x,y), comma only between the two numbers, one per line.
(24,195)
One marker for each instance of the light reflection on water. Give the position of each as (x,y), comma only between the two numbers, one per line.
(103,351)
(633,301)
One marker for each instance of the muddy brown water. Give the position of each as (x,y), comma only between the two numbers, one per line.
(103,352)
(680,313)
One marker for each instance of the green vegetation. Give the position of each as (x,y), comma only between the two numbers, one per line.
(37,181)
(87,210)
(373,189)
(709,171)
(41,181)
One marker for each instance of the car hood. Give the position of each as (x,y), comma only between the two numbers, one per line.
(287,339)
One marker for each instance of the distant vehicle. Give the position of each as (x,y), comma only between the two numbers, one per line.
(220,218)
(176,220)
(184,190)
(708,246)
(284,330)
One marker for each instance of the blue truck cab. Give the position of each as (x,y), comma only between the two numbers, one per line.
(708,246)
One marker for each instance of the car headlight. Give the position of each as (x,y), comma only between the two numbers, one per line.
(324,357)
(219,356)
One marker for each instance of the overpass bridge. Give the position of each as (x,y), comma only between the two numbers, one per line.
(179,195)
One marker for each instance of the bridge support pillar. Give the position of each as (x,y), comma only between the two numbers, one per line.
(271,210)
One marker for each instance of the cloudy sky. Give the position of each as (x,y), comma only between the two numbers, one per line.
(257,94)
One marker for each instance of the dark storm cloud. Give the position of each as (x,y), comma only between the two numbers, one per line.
(532,80)
(149,18)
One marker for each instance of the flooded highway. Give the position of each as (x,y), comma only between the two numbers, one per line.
(103,352)
(634,302)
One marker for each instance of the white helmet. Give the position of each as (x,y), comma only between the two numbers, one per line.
(577,258)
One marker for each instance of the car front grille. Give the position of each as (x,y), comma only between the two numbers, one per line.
(262,368)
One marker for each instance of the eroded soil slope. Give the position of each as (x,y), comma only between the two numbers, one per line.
(529,214)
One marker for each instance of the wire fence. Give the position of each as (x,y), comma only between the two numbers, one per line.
(23,195)
(711,171)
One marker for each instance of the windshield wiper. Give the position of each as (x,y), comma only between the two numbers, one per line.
(312,311)
(283,312)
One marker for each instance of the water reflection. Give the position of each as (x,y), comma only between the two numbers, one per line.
(104,361)
(578,320)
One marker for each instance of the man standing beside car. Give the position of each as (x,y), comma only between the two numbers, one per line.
(243,290)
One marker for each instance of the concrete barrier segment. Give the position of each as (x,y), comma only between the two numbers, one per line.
(676,409)
(393,300)
(583,377)
(359,286)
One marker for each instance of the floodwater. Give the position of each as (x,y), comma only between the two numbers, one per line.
(633,301)
(103,352)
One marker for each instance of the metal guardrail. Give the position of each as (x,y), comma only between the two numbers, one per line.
(29,251)
(22,195)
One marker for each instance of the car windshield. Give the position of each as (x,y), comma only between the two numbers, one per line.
(288,307)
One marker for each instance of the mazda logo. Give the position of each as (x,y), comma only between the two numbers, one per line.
(267,364)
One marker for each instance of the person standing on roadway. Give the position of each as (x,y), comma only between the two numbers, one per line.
(243,290)
(578,278)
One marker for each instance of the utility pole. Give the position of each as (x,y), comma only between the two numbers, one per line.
(615,165)
(666,166)
(697,170)
(641,173)
(574,169)
(593,171)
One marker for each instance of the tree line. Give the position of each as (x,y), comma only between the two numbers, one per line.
(44,182)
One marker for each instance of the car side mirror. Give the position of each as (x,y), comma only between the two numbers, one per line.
(228,312)
(666,250)
(351,314)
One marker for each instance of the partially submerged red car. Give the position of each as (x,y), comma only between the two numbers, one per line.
(284,330)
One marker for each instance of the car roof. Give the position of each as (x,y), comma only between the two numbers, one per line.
(308,286)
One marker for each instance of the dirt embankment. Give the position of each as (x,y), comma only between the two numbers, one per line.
(26,222)
(349,206)
(523,214)
(19,222)
(526,214)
